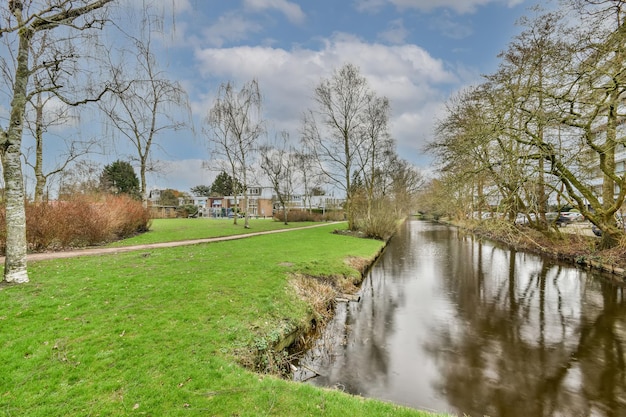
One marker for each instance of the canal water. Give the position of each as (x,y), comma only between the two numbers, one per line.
(448,323)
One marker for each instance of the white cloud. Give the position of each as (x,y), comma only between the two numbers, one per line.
(230,27)
(459,6)
(411,78)
(370,6)
(291,10)
(166,8)
(181,175)
(448,27)
(396,34)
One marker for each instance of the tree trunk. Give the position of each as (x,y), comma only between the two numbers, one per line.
(144,188)
(611,235)
(40,178)
(15,261)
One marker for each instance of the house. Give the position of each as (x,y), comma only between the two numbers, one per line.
(260,202)
(160,211)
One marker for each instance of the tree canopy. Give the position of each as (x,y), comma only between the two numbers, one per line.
(120,178)
(224,185)
(201,190)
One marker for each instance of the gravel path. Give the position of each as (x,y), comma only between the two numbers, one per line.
(104,251)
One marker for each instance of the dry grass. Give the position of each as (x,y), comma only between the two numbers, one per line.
(308,216)
(564,246)
(317,292)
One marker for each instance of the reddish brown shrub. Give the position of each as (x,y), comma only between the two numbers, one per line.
(80,221)
(306,216)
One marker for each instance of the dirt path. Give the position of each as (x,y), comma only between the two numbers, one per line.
(104,251)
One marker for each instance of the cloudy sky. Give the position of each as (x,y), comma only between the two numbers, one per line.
(414,52)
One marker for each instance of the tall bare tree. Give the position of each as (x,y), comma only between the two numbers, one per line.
(406,184)
(146,102)
(49,110)
(22,21)
(308,172)
(595,108)
(567,85)
(278,162)
(333,131)
(376,152)
(234,125)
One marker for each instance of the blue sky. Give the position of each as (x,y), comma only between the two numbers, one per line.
(414,52)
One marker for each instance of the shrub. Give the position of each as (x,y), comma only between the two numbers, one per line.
(379,223)
(306,216)
(80,221)
(378,226)
(297,216)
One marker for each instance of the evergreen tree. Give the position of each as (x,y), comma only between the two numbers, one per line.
(201,190)
(224,185)
(120,178)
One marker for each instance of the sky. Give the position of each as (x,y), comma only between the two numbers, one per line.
(414,52)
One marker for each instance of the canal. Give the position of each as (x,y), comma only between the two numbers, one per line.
(449,323)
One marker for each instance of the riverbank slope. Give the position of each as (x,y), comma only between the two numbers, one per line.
(574,244)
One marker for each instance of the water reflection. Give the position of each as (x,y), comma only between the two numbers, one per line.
(449,323)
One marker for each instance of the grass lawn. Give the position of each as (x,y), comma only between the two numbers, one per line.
(159,332)
(169,230)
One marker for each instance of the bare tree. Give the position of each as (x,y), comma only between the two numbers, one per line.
(333,130)
(568,86)
(22,21)
(234,125)
(308,173)
(406,184)
(278,163)
(146,102)
(594,104)
(376,151)
(47,110)
(83,178)
(475,153)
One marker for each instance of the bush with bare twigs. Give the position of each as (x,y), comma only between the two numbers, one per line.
(308,216)
(80,221)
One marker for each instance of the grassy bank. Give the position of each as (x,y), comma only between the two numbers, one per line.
(162,332)
(170,230)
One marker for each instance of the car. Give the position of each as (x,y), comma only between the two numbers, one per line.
(560,219)
(620,221)
(522,218)
(573,215)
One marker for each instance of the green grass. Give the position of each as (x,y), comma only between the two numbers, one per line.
(159,332)
(169,230)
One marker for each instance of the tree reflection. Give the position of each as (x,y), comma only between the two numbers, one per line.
(537,341)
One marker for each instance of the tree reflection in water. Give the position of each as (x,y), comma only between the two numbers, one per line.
(450,323)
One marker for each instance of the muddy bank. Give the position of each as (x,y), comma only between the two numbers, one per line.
(322,294)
